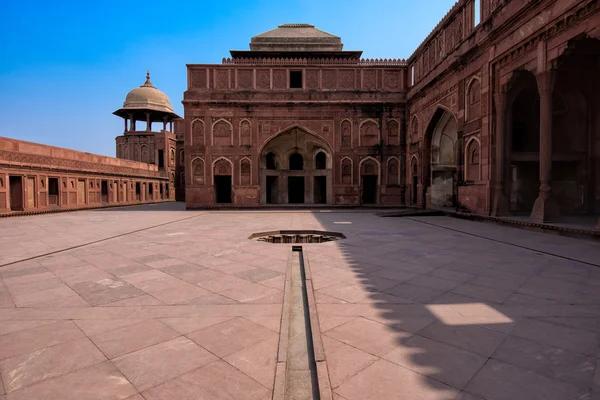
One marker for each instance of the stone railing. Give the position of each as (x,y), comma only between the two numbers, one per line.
(316,61)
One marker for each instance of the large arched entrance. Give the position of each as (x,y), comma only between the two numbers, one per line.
(441,148)
(296,168)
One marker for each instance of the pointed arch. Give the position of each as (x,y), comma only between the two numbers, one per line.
(472,159)
(414,128)
(245,175)
(198,171)
(363,130)
(245,132)
(347,171)
(198,132)
(393,170)
(224,138)
(214,163)
(378,169)
(318,161)
(326,143)
(346,134)
(393,131)
(473,99)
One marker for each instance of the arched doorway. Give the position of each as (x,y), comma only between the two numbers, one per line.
(369,180)
(292,170)
(441,153)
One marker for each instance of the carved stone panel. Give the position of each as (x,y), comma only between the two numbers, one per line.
(245,78)
(263,79)
(222,133)
(222,76)
(279,79)
(393,133)
(329,79)
(198,78)
(312,79)
(392,80)
(245,133)
(346,79)
(369,133)
(369,79)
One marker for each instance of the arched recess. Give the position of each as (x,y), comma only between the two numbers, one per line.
(473,99)
(440,151)
(198,132)
(198,174)
(347,171)
(172,156)
(472,160)
(222,133)
(370,180)
(414,179)
(245,132)
(393,171)
(181,158)
(320,160)
(414,128)
(290,183)
(393,136)
(222,174)
(245,171)
(145,154)
(346,133)
(369,134)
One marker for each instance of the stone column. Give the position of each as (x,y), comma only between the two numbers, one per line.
(125,121)
(545,208)
(500,206)
(148,123)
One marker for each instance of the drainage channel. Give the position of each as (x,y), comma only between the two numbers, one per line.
(301,370)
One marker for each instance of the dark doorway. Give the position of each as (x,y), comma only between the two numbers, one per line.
(369,189)
(296,189)
(150,191)
(53,191)
(415,188)
(321,161)
(296,162)
(320,189)
(160,191)
(104,188)
(161,159)
(295,79)
(168,192)
(138,191)
(272,190)
(16,193)
(271,162)
(223,188)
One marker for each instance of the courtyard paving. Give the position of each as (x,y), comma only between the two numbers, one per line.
(154,302)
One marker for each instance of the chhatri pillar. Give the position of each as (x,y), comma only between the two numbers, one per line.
(500,206)
(545,208)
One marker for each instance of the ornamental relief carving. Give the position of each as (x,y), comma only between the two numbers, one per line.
(346,79)
(245,79)
(263,79)
(369,80)
(329,78)
(198,78)
(222,77)
(391,79)
(279,79)
(312,79)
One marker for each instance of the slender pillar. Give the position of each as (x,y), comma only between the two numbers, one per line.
(125,121)
(148,123)
(545,208)
(500,206)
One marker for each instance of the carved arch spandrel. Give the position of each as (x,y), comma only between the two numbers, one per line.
(198,174)
(245,171)
(472,159)
(369,133)
(393,136)
(198,132)
(393,171)
(370,166)
(245,132)
(221,166)
(346,133)
(473,99)
(222,133)
(347,171)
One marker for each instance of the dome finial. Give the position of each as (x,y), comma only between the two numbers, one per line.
(148,83)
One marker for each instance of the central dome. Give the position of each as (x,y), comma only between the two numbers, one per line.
(147,97)
(296,37)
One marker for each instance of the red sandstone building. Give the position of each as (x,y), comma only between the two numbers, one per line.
(497,112)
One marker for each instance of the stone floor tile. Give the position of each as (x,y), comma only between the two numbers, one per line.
(157,285)
(35,286)
(562,365)
(417,293)
(451,275)
(143,300)
(188,325)
(384,380)
(506,284)
(36,275)
(321,298)
(394,274)
(143,276)
(248,292)
(359,333)
(346,292)
(212,299)
(344,361)
(442,362)
(433,282)
(94,326)
(87,273)
(272,322)
(230,336)
(407,324)
(257,361)
(180,294)
(500,381)
(558,336)
(85,384)
(482,293)
(473,338)
(7,327)
(200,275)
(162,362)
(277,282)
(467,396)
(50,362)
(596,386)
(6,299)
(42,296)
(27,341)
(130,338)
(257,274)
(110,295)
(215,381)
(222,284)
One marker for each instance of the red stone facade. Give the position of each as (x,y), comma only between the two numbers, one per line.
(38,177)
(502,101)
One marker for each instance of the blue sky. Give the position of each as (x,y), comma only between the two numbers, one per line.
(65,66)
